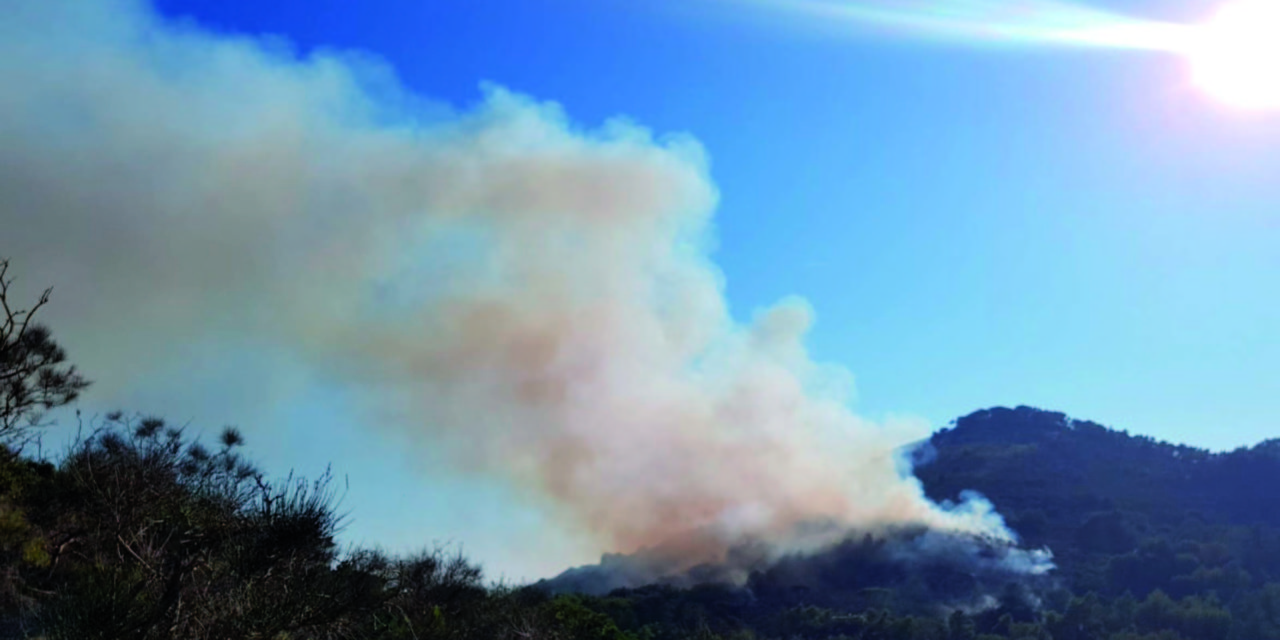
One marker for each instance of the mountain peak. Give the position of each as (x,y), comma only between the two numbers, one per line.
(1002,425)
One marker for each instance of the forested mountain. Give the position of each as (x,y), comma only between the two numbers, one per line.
(1120,512)
(1022,457)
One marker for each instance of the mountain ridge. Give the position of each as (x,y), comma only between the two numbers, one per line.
(1018,456)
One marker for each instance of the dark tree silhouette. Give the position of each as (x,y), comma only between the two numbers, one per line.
(33,375)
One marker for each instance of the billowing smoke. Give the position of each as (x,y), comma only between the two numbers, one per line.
(533,296)
(907,569)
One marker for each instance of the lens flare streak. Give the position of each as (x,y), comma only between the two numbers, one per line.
(1026,22)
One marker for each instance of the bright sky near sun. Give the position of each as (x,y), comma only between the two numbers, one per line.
(979,215)
(1236,57)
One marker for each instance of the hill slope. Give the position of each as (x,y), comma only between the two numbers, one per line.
(1100,497)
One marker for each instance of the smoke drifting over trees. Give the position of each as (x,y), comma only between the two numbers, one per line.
(536,297)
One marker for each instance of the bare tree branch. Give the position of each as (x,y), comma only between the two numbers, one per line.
(33,376)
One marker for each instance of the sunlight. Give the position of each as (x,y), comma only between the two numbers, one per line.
(1233,57)
(1236,56)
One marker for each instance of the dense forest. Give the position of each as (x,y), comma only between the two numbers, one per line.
(137,530)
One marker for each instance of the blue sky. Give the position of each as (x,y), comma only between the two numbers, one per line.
(974,224)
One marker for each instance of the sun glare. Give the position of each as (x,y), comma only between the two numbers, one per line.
(1236,56)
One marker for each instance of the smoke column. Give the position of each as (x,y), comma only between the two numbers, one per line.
(535,297)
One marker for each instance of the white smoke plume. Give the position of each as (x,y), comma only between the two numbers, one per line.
(536,297)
